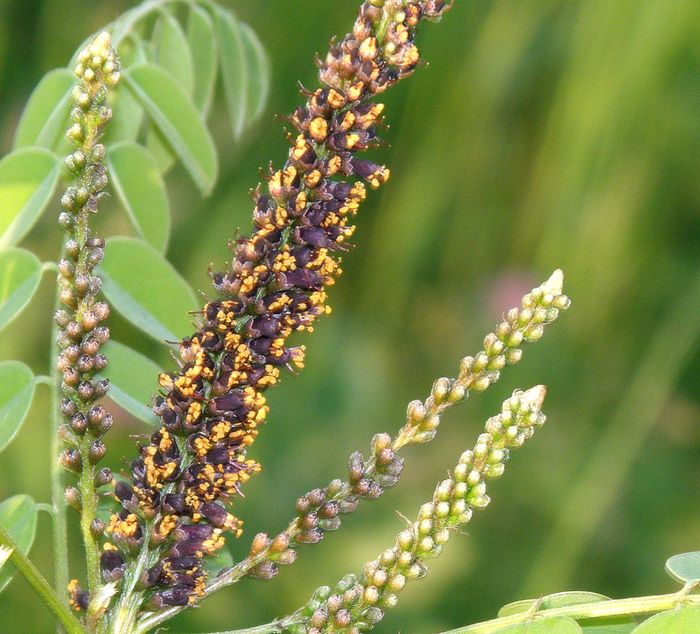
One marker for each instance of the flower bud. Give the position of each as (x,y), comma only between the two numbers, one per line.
(65,221)
(86,391)
(72,497)
(287,557)
(440,390)
(96,452)
(78,423)
(415,413)
(103,477)
(73,249)
(97,527)
(68,407)
(70,460)
(260,542)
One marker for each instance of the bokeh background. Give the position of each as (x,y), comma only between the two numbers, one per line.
(542,134)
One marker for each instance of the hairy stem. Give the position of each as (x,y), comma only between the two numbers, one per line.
(40,585)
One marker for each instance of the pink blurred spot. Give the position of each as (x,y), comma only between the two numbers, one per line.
(507,290)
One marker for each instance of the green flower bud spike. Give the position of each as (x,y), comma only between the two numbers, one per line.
(502,347)
(80,334)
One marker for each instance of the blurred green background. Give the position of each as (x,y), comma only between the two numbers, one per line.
(542,134)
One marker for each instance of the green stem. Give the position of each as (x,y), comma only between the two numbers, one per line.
(597,610)
(42,587)
(60,525)
(46,508)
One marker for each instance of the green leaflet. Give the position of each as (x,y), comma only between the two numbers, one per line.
(140,188)
(133,380)
(612,625)
(145,288)
(202,41)
(16,394)
(234,69)
(45,117)
(20,274)
(557,600)
(158,148)
(682,620)
(177,119)
(28,178)
(259,72)
(684,567)
(18,517)
(172,51)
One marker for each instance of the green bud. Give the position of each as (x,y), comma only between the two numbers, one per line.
(370,595)
(441,389)
(473,478)
(442,536)
(389,600)
(533,332)
(388,557)
(460,490)
(405,539)
(480,384)
(379,578)
(426,511)
(442,510)
(457,393)
(495,470)
(415,413)
(426,544)
(513,356)
(562,302)
(481,502)
(396,583)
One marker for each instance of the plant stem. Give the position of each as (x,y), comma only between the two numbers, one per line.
(42,587)
(60,527)
(599,609)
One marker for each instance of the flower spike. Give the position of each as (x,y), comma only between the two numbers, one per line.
(211,410)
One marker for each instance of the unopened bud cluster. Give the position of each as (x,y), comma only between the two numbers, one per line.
(81,333)
(318,510)
(357,604)
(502,347)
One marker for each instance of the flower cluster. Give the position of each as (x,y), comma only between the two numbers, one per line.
(277,284)
(356,603)
(80,335)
